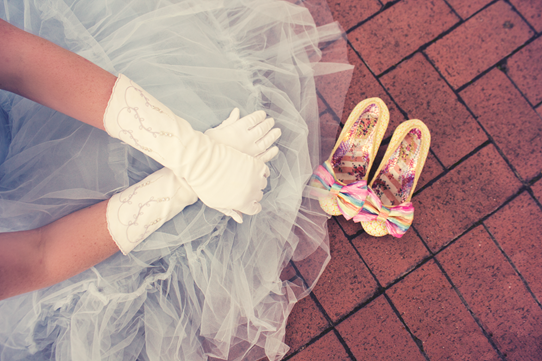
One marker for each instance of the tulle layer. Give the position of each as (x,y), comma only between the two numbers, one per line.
(202,286)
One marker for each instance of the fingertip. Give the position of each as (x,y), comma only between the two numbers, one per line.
(255,118)
(237,216)
(276,133)
(234,115)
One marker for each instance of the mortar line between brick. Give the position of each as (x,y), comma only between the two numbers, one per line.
(310,342)
(433,254)
(452,167)
(453,285)
(437,158)
(525,283)
(503,66)
(537,105)
(405,115)
(530,191)
(427,44)
(481,220)
(520,15)
(330,322)
(467,306)
(489,136)
(382,9)
(313,296)
(453,10)
(499,150)
(329,328)
(505,71)
(343,342)
(322,311)
(421,48)
(416,340)
(496,65)
(380,291)
(329,108)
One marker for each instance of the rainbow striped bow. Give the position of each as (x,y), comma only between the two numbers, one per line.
(350,197)
(397,218)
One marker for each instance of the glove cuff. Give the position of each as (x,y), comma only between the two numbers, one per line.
(133,214)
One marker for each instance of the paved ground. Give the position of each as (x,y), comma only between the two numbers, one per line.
(465,282)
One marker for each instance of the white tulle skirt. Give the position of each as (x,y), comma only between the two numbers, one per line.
(202,287)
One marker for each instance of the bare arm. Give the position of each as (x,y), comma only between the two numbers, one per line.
(55,77)
(50,75)
(35,259)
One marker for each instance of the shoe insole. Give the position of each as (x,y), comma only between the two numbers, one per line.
(394,182)
(351,159)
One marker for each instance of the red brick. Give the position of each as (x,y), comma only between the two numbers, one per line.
(346,282)
(329,132)
(435,315)
(422,93)
(539,110)
(510,120)
(308,260)
(537,190)
(400,30)
(467,193)
(479,43)
(334,87)
(389,257)
(287,273)
(327,348)
(525,69)
(364,85)
(321,106)
(351,13)
(531,10)
(304,323)
(375,333)
(495,294)
(516,227)
(465,8)
(349,227)
(431,170)
(319,11)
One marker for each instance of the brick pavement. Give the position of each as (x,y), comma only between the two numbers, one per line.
(465,282)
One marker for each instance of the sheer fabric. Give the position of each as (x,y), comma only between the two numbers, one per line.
(201,287)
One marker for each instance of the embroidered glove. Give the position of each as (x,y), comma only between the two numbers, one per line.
(222,177)
(133,214)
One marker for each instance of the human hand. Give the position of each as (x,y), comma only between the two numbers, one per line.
(252,135)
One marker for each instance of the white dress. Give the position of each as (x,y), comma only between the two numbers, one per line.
(202,287)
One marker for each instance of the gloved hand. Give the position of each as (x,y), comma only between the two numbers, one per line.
(252,135)
(222,177)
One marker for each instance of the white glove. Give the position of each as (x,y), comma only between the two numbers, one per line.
(251,135)
(222,177)
(133,214)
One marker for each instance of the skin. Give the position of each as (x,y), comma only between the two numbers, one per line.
(50,75)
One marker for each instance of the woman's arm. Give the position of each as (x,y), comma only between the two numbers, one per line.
(55,77)
(39,258)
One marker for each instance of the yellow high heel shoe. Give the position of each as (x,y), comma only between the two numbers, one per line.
(341,182)
(387,208)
